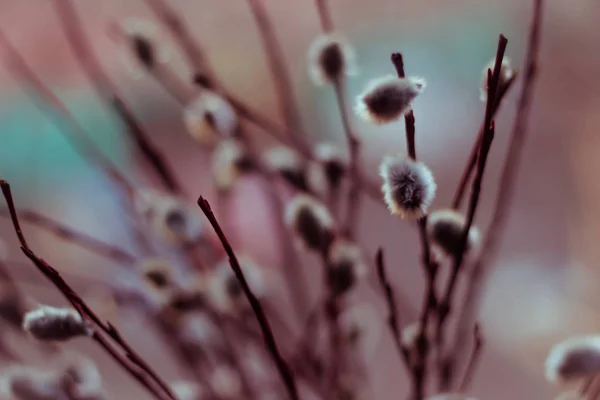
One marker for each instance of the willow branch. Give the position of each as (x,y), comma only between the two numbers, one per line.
(445,306)
(476,283)
(472,160)
(73,236)
(393,318)
(138,368)
(279,72)
(284,370)
(107,91)
(430,268)
(74,133)
(473,360)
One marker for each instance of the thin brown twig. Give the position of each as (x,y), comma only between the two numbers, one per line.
(107,91)
(445,305)
(473,360)
(284,370)
(324,16)
(142,372)
(393,318)
(476,280)
(75,134)
(279,72)
(430,268)
(354,195)
(472,160)
(62,231)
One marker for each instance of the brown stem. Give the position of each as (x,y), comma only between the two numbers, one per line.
(324,16)
(354,197)
(473,360)
(142,371)
(472,160)
(486,142)
(393,318)
(107,91)
(79,238)
(422,343)
(476,281)
(279,72)
(282,366)
(74,133)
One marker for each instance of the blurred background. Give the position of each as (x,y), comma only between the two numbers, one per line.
(544,285)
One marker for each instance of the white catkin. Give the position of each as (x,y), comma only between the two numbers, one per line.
(445,230)
(210,116)
(506,73)
(386,99)
(408,186)
(310,221)
(330,57)
(55,324)
(574,358)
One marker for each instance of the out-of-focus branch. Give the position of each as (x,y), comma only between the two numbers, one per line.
(279,72)
(393,315)
(71,235)
(74,133)
(131,361)
(473,360)
(107,91)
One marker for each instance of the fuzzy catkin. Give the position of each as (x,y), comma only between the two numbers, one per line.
(408,186)
(55,324)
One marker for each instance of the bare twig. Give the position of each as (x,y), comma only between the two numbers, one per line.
(430,268)
(354,197)
(476,280)
(282,366)
(444,309)
(81,239)
(393,316)
(472,160)
(138,368)
(281,76)
(473,360)
(107,91)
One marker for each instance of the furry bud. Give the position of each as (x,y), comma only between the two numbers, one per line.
(287,163)
(362,327)
(209,116)
(329,58)
(506,74)
(55,324)
(326,172)
(143,41)
(408,186)
(310,221)
(345,266)
(230,160)
(170,218)
(387,99)
(186,300)
(575,358)
(158,272)
(445,230)
(81,379)
(24,383)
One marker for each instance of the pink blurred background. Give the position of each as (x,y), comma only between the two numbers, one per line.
(545,283)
